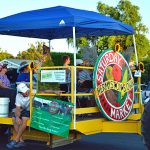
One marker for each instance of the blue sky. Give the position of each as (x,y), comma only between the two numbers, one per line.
(9,7)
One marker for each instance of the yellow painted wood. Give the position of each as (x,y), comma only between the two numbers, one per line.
(56,67)
(8,121)
(49,139)
(92,126)
(137,92)
(88,127)
(84,67)
(135,117)
(52,94)
(84,94)
(87,110)
(136,105)
(31,88)
(33,135)
(72,84)
(122,127)
(139,127)
(139,95)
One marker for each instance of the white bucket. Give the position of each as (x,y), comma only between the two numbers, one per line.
(4,106)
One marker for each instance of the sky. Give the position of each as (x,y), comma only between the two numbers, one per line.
(14,44)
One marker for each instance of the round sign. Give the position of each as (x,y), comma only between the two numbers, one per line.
(113,84)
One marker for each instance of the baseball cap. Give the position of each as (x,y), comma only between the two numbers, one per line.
(22,87)
(22,65)
(79,61)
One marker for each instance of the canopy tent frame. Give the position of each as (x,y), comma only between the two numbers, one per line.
(75,79)
(62,22)
(135,50)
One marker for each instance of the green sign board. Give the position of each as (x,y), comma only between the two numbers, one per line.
(51,116)
(53,75)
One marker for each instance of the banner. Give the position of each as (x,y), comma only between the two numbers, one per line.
(51,115)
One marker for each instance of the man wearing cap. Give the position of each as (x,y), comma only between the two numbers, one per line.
(79,62)
(21,116)
(24,75)
(5,87)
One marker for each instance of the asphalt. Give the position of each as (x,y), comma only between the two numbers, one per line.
(103,141)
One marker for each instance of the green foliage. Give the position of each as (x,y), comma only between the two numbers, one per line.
(80,42)
(128,13)
(143,46)
(145,75)
(4,55)
(57,58)
(33,53)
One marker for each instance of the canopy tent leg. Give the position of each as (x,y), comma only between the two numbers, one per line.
(135,50)
(75,79)
(49,43)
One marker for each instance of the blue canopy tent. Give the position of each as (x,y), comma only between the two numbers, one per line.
(57,22)
(62,22)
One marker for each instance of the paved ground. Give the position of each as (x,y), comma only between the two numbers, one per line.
(103,141)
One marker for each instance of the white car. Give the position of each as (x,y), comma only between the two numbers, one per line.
(147,90)
(146,93)
(143,88)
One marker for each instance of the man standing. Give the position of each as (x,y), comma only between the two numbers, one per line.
(66,86)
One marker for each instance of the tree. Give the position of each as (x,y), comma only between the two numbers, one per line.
(33,53)
(5,54)
(125,12)
(79,42)
(129,14)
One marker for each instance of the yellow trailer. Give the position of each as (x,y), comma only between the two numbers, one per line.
(64,22)
(88,123)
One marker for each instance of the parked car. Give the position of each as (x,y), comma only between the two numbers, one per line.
(146,93)
(143,88)
(147,90)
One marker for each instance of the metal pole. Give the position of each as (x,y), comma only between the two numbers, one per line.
(49,43)
(75,79)
(135,50)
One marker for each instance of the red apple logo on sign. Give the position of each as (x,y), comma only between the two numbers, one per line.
(113,83)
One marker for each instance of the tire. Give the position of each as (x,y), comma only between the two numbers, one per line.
(146,125)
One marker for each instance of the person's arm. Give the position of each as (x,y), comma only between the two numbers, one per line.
(82,76)
(2,85)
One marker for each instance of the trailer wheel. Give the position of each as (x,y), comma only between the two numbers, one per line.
(146,125)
